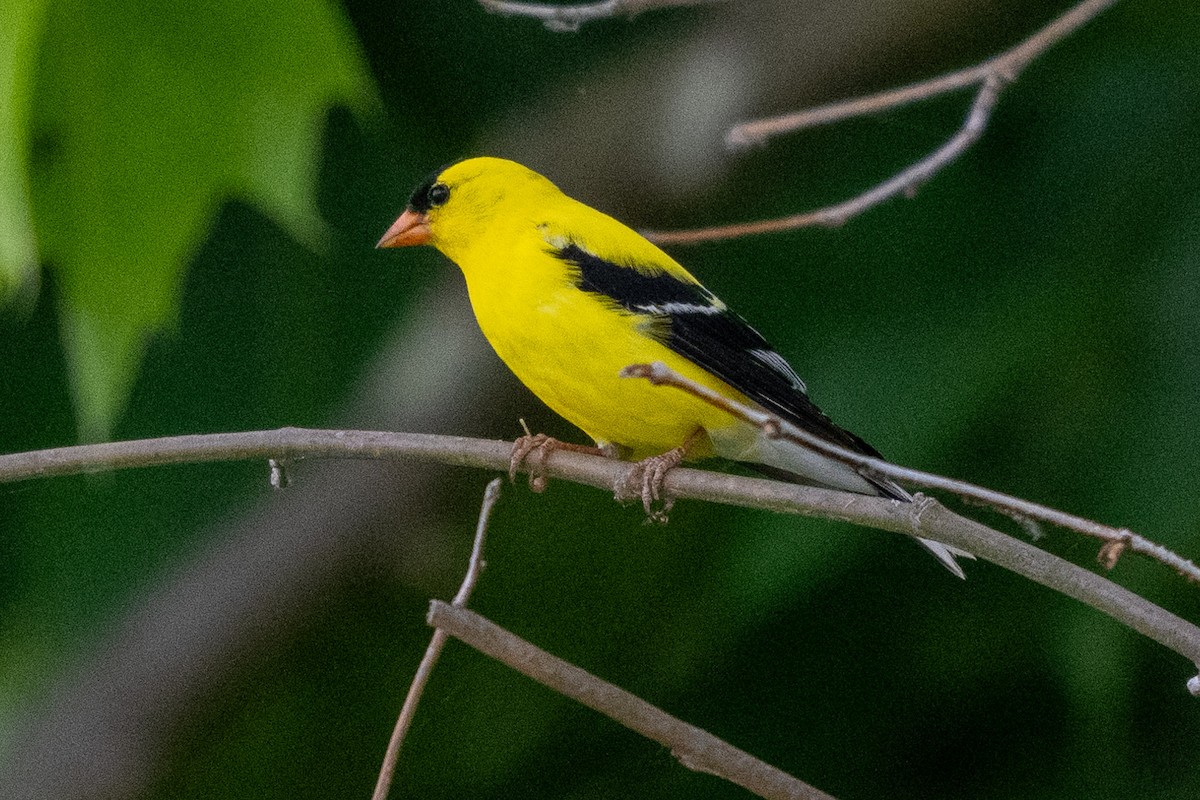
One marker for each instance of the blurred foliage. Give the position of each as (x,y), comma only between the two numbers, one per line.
(18,48)
(1030,321)
(145,118)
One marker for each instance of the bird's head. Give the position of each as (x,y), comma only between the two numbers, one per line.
(462,204)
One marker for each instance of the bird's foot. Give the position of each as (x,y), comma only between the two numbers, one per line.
(543,445)
(645,480)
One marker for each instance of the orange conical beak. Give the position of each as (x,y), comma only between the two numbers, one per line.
(410,229)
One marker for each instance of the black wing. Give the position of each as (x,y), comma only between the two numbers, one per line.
(691,321)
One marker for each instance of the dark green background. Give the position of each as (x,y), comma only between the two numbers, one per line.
(1030,322)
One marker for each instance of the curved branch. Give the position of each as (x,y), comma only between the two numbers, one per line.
(992,76)
(927,519)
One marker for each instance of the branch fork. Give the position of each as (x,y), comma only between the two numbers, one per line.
(991,77)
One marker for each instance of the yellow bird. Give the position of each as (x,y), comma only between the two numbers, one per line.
(569,296)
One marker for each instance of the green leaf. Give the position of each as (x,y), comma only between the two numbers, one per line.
(149,115)
(18,49)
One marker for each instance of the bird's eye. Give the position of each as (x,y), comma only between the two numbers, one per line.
(429,194)
(439,193)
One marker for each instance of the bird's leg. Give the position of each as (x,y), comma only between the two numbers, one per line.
(544,445)
(645,479)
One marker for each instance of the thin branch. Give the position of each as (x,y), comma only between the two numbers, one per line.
(1116,540)
(695,748)
(928,519)
(568,19)
(490,495)
(991,76)
(475,567)
(757,132)
(283,443)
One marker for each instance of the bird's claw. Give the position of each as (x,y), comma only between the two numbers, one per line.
(645,480)
(544,445)
(522,447)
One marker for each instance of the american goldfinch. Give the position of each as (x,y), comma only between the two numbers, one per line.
(569,296)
